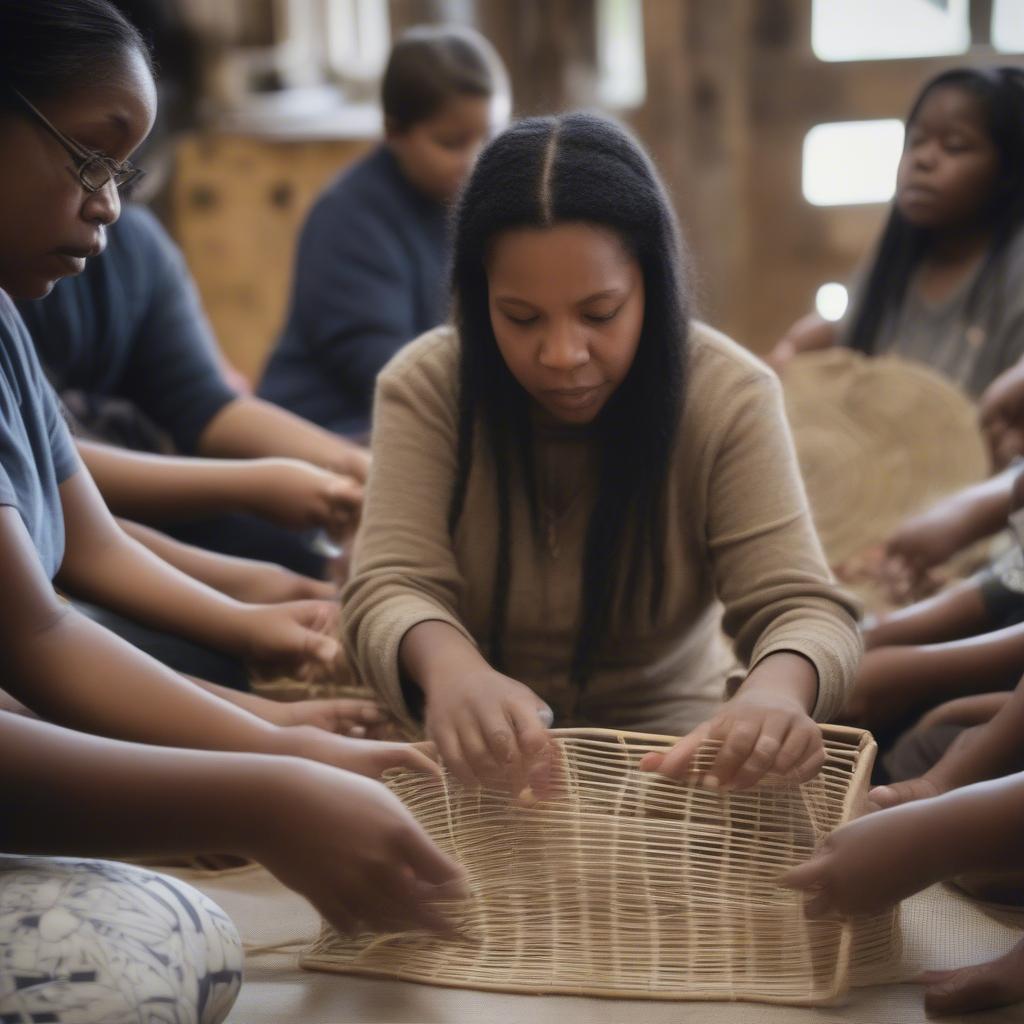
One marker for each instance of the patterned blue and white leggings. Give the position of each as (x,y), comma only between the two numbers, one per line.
(97,942)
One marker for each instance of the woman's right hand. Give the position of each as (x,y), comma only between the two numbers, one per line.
(352,849)
(489,728)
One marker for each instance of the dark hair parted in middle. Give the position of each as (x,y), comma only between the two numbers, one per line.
(576,168)
(431,64)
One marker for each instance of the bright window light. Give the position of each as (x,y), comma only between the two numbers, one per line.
(622,73)
(831,301)
(888,29)
(358,37)
(1008,25)
(850,162)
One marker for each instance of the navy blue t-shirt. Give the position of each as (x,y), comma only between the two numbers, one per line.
(131,326)
(36,451)
(369,277)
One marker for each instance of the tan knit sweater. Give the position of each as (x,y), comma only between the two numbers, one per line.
(741,550)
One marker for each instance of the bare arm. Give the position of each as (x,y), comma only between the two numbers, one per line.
(931,538)
(160,488)
(69,792)
(104,565)
(894,684)
(808,334)
(989,748)
(249,428)
(363,860)
(954,613)
(75,673)
(241,578)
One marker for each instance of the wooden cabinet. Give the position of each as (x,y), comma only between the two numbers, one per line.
(237,205)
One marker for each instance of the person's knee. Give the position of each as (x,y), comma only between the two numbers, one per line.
(102,939)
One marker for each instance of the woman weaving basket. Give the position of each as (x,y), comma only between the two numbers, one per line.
(570,483)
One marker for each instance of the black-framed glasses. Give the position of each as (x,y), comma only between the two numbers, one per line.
(94,170)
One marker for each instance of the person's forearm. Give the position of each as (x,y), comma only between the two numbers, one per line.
(993,748)
(783,674)
(896,684)
(70,793)
(250,702)
(954,613)
(98,691)
(982,510)
(115,571)
(433,651)
(252,428)
(160,488)
(228,574)
(978,827)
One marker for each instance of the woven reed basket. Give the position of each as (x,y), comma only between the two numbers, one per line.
(878,440)
(626,884)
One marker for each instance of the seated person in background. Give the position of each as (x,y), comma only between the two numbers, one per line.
(372,257)
(945,284)
(130,326)
(933,830)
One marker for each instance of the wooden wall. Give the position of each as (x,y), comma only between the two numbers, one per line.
(238,204)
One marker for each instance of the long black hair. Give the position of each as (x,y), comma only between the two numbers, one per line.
(586,169)
(1000,91)
(52,47)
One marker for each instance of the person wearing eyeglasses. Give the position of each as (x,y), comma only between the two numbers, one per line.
(130,759)
(245,515)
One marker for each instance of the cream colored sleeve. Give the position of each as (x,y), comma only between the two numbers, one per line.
(769,569)
(404,570)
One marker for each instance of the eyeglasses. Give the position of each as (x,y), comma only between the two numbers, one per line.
(94,170)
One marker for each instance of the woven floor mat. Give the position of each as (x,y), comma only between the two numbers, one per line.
(940,930)
(623,883)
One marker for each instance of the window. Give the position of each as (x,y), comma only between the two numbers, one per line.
(622,74)
(831,301)
(851,162)
(886,29)
(358,38)
(1008,25)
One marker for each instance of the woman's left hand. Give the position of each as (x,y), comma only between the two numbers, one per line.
(296,639)
(759,733)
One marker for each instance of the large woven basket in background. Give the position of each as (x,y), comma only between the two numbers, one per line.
(878,440)
(624,883)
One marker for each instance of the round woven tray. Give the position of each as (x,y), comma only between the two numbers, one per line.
(878,440)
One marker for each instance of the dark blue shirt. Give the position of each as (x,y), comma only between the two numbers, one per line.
(369,277)
(36,451)
(131,326)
